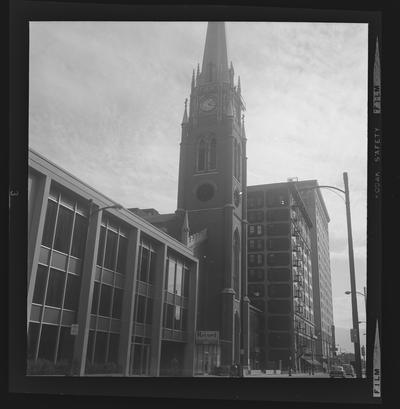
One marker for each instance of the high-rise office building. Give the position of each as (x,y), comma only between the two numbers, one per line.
(320,261)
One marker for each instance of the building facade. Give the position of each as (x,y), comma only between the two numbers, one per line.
(320,261)
(211,190)
(107,291)
(280,275)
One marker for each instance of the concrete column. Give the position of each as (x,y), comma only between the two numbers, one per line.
(35,233)
(190,346)
(158,308)
(245,318)
(86,295)
(128,302)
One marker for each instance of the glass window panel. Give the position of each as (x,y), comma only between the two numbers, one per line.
(113,348)
(105,300)
(100,252)
(178,279)
(278,244)
(168,315)
(90,346)
(278,274)
(55,288)
(72,292)
(201,156)
(278,259)
(171,275)
(184,319)
(123,244)
(279,323)
(279,306)
(256,274)
(213,154)
(137,358)
(40,284)
(278,229)
(117,303)
(278,197)
(186,278)
(279,290)
(279,339)
(64,229)
(79,237)
(49,223)
(153,267)
(66,345)
(100,347)
(95,299)
(177,317)
(140,308)
(149,311)
(48,339)
(111,250)
(144,264)
(277,215)
(33,334)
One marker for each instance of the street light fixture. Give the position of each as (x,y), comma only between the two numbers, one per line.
(362,294)
(356,339)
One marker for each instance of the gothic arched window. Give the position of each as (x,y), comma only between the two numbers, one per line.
(201,155)
(236,263)
(213,154)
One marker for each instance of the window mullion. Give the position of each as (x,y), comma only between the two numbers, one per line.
(47,280)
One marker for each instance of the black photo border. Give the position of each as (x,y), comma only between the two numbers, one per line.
(105,390)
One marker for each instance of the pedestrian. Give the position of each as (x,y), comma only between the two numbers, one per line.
(174,366)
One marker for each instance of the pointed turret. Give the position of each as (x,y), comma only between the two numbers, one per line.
(193,83)
(185,232)
(243,129)
(229,111)
(215,53)
(239,88)
(185,119)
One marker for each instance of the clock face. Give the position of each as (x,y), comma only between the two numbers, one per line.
(208,104)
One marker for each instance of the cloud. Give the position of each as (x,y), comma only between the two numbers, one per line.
(106,102)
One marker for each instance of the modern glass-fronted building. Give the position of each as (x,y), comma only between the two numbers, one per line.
(107,291)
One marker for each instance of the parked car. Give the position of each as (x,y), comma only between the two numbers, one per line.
(349,371)
(337,372)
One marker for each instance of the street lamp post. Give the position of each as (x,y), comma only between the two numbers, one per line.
(92,212)
(356,338)
(362,294)
(357,352)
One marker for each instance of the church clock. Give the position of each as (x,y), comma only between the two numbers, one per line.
(208,103)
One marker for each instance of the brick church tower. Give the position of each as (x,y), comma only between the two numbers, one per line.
(212,190)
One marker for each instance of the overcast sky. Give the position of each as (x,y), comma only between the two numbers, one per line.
(106,102)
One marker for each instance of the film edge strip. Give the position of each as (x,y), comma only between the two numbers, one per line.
(377,112)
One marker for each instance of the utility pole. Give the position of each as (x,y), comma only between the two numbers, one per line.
(356,331)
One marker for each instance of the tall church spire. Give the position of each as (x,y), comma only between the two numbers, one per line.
(215,55)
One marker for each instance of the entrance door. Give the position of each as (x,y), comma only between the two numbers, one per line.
(140,359)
